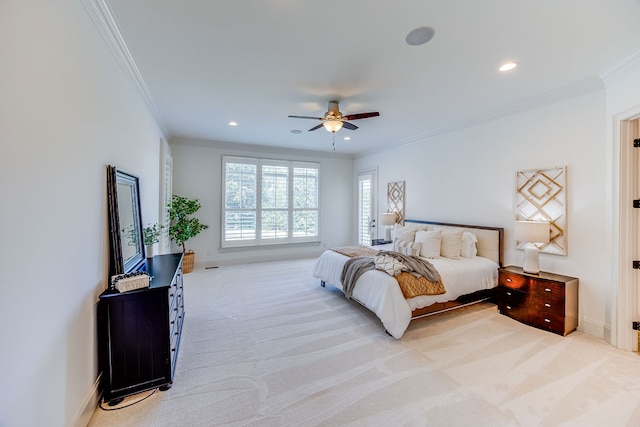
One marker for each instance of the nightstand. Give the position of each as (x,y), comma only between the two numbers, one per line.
(377,242)
(546,301)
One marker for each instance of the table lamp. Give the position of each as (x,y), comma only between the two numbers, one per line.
(388,219)
(532,232)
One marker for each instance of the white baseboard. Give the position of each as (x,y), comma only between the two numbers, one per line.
(596,329)
(89,406)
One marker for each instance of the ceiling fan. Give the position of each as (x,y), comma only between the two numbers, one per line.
(333,119)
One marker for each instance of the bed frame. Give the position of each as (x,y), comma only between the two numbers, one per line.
(490,245)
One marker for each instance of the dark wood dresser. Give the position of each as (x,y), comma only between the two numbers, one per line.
(139,332)
(546,301)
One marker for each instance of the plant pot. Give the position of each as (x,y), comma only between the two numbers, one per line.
(188,262)
(150,251)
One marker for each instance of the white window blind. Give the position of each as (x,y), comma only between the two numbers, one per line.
(269,201)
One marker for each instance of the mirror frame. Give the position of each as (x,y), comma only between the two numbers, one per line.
(117,264)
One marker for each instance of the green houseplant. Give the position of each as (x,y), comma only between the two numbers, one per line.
(151,235)
(184,226)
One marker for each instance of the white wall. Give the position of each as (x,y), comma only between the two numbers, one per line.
(197,173)
(468,176)
(66,111)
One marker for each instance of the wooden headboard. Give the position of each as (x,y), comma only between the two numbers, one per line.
(490,239)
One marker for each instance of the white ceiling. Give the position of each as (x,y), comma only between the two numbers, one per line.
(255,62)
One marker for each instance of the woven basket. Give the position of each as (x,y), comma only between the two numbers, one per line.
(188,261)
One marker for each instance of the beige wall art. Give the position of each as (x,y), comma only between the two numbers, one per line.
(541,196)
(395,200)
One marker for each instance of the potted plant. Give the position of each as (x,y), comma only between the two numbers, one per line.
(184,226)
(151,235)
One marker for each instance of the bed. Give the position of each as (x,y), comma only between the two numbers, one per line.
(467,279)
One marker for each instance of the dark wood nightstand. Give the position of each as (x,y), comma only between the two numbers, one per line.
(546,301)
(377,242)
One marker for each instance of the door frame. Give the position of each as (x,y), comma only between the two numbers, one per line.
(625,231)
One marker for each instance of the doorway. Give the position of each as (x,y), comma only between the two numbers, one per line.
(367,189)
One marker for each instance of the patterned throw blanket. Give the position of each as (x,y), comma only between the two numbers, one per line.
(418,276)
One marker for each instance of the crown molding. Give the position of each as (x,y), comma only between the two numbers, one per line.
(622,69)
(107,26)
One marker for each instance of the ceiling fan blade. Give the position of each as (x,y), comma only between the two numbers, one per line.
(316,127)
(361,116)
(349,126)
(306,117)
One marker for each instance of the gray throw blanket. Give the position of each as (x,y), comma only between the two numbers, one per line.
(357,266)
(352,270)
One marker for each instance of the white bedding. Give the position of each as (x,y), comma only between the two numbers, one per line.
(380,293)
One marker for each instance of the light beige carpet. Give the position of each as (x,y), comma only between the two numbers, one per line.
(265,345)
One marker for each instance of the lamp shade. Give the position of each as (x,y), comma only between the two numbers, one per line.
(532,231)
(388,218)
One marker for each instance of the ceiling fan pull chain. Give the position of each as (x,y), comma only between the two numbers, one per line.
(333,140)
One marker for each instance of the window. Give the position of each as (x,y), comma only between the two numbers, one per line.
(269,202)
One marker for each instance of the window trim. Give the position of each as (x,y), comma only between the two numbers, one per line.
(259,240)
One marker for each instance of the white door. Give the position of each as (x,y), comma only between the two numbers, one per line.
(367,184)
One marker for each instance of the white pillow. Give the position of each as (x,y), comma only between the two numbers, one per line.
(407,232)
(451,245)
(407,248)
(469,249)
(430,243)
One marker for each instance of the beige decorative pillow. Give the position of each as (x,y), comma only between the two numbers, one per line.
(451,244)
(429,243)
(388,264)
(406,248)
(407,232)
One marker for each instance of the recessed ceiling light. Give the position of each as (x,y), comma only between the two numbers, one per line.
(508,66)
(347,138)
(296,131)
(419,36)
(233,124)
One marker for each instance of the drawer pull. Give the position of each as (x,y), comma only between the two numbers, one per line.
(547,305)
(547,320)
(508,280)
(547,290)
(508,307)
(509,293)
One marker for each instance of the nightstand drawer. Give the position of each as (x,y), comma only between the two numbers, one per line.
(553,307)
(547,290)
(549,322)
(512,280)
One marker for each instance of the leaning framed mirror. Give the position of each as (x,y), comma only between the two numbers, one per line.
(125,222)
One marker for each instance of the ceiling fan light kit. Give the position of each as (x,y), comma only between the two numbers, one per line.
(333,119)
(332,125)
